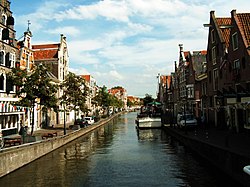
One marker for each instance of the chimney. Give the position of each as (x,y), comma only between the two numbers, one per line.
(181,47)
(233,13)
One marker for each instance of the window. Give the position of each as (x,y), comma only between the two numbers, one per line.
(9,86)
(12,60)
(243,62)
(2,58)
(213,36)
(7,60)
(209,76)
(215,79)
(235,41)
(204,88)
(190,91)
(236,64)
(1,82)
(27,60)
(214,55)
(4,19)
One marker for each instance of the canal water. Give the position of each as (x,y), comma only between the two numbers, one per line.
(117,155)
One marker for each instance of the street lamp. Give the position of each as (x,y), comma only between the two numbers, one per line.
(64,119)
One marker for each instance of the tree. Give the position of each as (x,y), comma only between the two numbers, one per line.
(75,92)
(102,97)
(34,87)
(147,99)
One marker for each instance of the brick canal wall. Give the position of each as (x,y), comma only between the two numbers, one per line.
(227,161)
(15,157)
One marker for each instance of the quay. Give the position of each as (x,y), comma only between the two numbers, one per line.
(229,152)
(15,157)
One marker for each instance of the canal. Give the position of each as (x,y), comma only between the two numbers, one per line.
(117,155)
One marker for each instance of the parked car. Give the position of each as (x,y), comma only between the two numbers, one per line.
(90,120)
(190,120)
(81,122)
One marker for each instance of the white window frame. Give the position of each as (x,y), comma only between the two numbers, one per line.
(1,30)
(12,60)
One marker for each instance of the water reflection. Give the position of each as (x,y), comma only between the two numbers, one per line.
(149,134)
(116,155)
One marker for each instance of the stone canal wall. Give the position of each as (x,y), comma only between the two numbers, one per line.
(15,157)
(227,161)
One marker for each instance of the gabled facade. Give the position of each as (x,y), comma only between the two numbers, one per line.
(134,100)
(199,65)
(217,53)
(162,84)
(228,71)
(25,57)
(185,82)
(239,67)
(10,115)
(120,93)
(92,87)
(56,57)
(25,60)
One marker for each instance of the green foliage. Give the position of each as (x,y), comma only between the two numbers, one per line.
(75,92)
(147,99)
(33,87)
(102,97)
(129,103)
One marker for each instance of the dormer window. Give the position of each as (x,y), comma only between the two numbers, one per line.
(235,41)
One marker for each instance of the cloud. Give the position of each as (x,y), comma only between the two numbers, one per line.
(111,10)
(126,42)
(79,71)
(67,30)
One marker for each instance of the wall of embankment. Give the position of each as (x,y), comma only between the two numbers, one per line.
(227,161)
(16,157)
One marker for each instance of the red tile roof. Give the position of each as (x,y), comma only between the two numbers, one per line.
(204,52)
(45,54)
(86,77)
(46,46)
(244,26)
(225,32)
(169,78)
(45,51)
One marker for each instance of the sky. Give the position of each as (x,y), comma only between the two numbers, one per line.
(122,42)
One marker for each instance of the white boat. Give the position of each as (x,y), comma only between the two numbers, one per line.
(148,122)
(149,117)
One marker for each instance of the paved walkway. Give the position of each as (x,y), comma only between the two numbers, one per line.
(235,142)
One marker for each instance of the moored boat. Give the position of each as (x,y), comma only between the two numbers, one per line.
(149,117)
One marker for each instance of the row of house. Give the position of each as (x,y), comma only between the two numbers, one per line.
(23,54)
(214,83)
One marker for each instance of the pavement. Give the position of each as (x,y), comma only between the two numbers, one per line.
(235,142)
